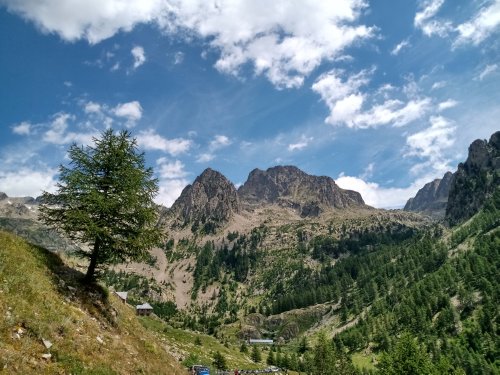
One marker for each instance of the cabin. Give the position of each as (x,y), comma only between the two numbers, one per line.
(260,342)
(123,296)
(144,310)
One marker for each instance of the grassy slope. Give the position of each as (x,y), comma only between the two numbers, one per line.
(41,298)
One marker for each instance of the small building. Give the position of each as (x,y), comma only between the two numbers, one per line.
(260,342)
(145,309)
(123,296)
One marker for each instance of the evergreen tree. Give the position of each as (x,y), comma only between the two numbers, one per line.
(219,361)
(270,358)
(256,356)
(244,347)
(105,200)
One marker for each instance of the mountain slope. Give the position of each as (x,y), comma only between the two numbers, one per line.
(475,180)
(432,198)
(91,333)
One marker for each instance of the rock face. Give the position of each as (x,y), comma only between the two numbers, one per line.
(3,196)
(432,198)
(209,202)
(475,180)
(288,186)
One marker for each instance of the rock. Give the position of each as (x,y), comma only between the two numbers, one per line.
(432,198)
(288,186)
(475,180)
(3,196)
(47,356)
(208,203)
(100,340)
(47,343)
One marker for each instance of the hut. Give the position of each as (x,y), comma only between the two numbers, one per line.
(145,309)
(122,296)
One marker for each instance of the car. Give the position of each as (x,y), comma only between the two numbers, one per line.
(199,370)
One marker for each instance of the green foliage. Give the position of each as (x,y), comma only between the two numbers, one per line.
(406,358)
(219,361)
(105,200)
(256,355)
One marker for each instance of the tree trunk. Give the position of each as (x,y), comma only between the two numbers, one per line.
(89,277)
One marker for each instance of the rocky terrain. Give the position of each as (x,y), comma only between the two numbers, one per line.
(475,180)
(432,198)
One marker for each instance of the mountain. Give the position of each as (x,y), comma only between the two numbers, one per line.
(475,180)
(288,186)
(210,201)
(432,198)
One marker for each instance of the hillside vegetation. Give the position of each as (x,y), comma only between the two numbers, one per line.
(51,324)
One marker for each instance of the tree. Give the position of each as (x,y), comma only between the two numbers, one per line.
(256,356)
(104,200)
(219,361)
(406,358)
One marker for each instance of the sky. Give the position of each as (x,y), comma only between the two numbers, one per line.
(382,96)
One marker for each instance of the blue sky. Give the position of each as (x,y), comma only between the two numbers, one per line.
(383,96)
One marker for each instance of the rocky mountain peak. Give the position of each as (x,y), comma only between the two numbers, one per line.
(210,201)
(432,198)
(475,180)
(288,186)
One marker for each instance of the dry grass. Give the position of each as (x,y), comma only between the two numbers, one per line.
(91,333)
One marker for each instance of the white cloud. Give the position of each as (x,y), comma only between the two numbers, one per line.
(450,103)
(171,181)
(132,111)
(438,85)
(139,56)
(303,143)
(205,157)
(58,134)
(219,142)
(93,20)
(281,39)
(481,26)
(395,51)
(150,140)
(430,143)
(27,182)
(92,107)
(345,101)
(178,58)
(488,69)
(368,171)
(24,128)
(377,196)
(424,19)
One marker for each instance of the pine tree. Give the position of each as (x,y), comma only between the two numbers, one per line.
(104,200)
(270,358)
(256,356)
(219,361)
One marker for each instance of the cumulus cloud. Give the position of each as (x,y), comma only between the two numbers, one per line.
(93,20)
(481,26)
(92,107)
(347,103)
(395,51)
(378,196)
(282,40)
(218,142)
(131,111)
(488,69)
(58,133)
(27,182)
(172,180)
(205,157)
(139,56)
(178,58)
(24,128)
(150,140)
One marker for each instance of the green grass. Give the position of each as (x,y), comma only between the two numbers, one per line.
(364,362)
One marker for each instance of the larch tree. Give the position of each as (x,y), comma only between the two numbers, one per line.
(104,201)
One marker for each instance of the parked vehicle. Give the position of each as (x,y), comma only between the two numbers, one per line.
(199,370)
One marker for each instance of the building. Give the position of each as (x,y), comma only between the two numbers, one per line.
(123,296)
(144,309)
(260,342)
